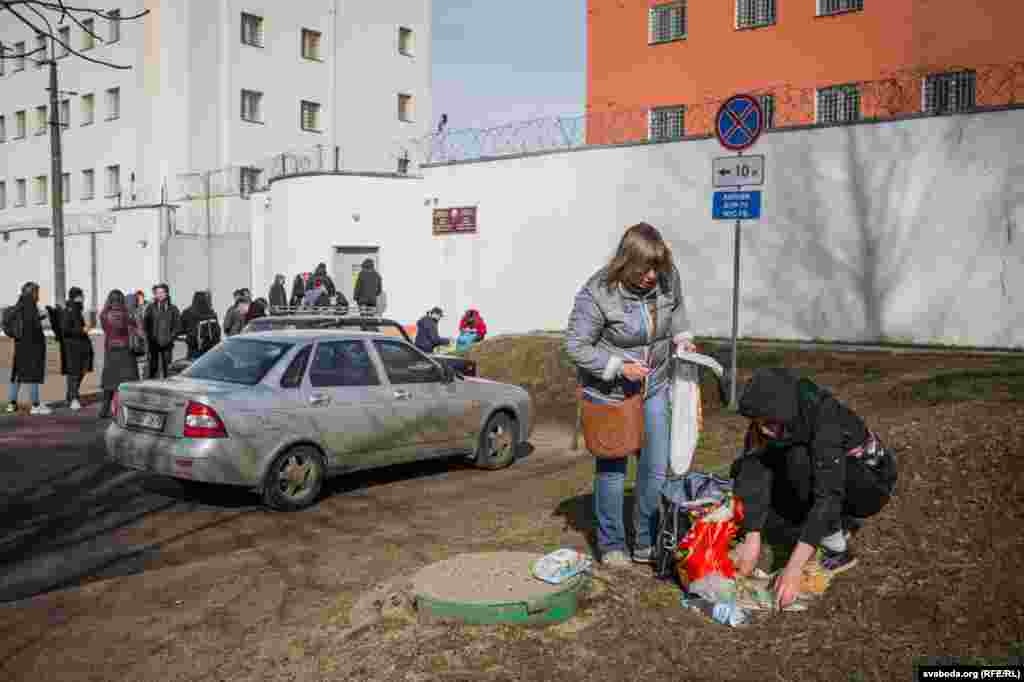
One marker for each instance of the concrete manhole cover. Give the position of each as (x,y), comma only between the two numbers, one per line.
(493,587)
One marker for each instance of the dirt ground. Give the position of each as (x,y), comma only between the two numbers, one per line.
(230,592)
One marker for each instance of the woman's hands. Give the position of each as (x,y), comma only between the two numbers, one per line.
(635,371)
(748,553)
(684,341)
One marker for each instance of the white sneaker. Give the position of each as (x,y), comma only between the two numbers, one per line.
(40,410)
(615,559)
(75,406)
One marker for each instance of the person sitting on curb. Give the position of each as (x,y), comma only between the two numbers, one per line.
(811,472)
(427,336)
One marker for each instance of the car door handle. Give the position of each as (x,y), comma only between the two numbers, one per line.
(318,399)
(402,395)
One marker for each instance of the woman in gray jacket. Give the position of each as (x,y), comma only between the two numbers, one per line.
(624,325)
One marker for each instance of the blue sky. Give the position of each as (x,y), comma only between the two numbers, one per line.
(497,61)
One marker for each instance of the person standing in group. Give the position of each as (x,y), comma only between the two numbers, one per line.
(119,364)
(234,318)
(320,278)
(25,324)
(624,325)
(369,285)
(298,290)
(278,297)
(162,322)
(78,355)
(427,336)
(200,326)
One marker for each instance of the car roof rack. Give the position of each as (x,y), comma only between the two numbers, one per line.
(341,316)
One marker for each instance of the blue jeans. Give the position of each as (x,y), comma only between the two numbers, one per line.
(14,388)
(652,470)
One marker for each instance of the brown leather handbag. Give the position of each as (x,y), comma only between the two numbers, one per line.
(614,430)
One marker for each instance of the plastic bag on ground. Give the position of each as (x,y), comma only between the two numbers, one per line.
(704,566)
(561,565)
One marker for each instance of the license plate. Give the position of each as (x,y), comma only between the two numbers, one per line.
(151,421)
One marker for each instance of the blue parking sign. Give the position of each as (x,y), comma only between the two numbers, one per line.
(736,205)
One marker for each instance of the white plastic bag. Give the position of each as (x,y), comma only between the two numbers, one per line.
(686,408)
(559,566)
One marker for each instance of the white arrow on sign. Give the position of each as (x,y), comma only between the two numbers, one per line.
(737,171)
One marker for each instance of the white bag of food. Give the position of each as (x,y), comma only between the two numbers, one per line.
(687,418)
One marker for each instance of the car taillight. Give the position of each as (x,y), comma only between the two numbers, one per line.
(202,421)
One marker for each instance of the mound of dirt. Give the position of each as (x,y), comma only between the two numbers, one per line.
(485,577)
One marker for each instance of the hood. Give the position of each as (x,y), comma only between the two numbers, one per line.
(368,264)
(197,300)
(778,395)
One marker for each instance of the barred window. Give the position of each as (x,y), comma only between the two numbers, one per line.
(667,22)
(666,123)
(249,180)
(752,13)
(310,116)
(767,103)
(839,6)
(41,189)
(310,44)
(252,106)
(946,93)
(88,183)
(839,104)
(252,30)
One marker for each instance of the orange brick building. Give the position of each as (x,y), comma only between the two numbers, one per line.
(659,69)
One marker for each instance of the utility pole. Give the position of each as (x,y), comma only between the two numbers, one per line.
(57,176)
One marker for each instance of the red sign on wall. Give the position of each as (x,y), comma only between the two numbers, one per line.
(455,220)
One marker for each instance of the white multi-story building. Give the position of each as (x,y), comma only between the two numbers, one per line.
(213,84)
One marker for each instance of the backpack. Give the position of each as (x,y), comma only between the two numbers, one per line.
(207,334)
(13,324)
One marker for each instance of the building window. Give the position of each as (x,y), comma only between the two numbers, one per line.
(310,116)
(3,62)
(826,7)
(249,180)
(405,108)
(252,106)
(113,104)
(754,13)
(3,129)
(88,34)
(64,38)
(838,104)
(65,186)
(41,189)
(114,26)
(19,56)
(88,109)
(41,50)
(666,123)
(65,113)
(767,103)
(113,181)
(3,195)
(41,120)
(405,41)
(88,184)
(21,192)
(946,93)
(310,44)
(20,125)
(252,30)
(667,22)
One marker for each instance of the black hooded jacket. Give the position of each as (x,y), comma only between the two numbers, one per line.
(369,285)
(815,419)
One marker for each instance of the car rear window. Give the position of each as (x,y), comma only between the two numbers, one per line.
(238,361)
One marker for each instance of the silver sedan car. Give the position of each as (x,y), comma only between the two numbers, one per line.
(280,411)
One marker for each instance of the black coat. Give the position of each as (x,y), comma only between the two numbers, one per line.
(30,349)
(427,337)
(369,286)
(162,313)
(298,290)
(278,296)
(77,356)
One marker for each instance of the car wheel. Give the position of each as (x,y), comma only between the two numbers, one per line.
(497,443)
(294,479)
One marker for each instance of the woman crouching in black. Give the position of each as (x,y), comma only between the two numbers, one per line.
(811,472)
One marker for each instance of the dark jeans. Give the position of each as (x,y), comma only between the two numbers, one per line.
(74,386)
(159,360)
(782,480)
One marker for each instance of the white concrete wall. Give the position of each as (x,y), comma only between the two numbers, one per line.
(906,230)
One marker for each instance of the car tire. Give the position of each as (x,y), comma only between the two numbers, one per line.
(294,479)
(498,442)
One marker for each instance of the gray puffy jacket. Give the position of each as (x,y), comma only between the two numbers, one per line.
(609,328)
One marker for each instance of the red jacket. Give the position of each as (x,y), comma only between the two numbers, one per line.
(118,325)
(478,325)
